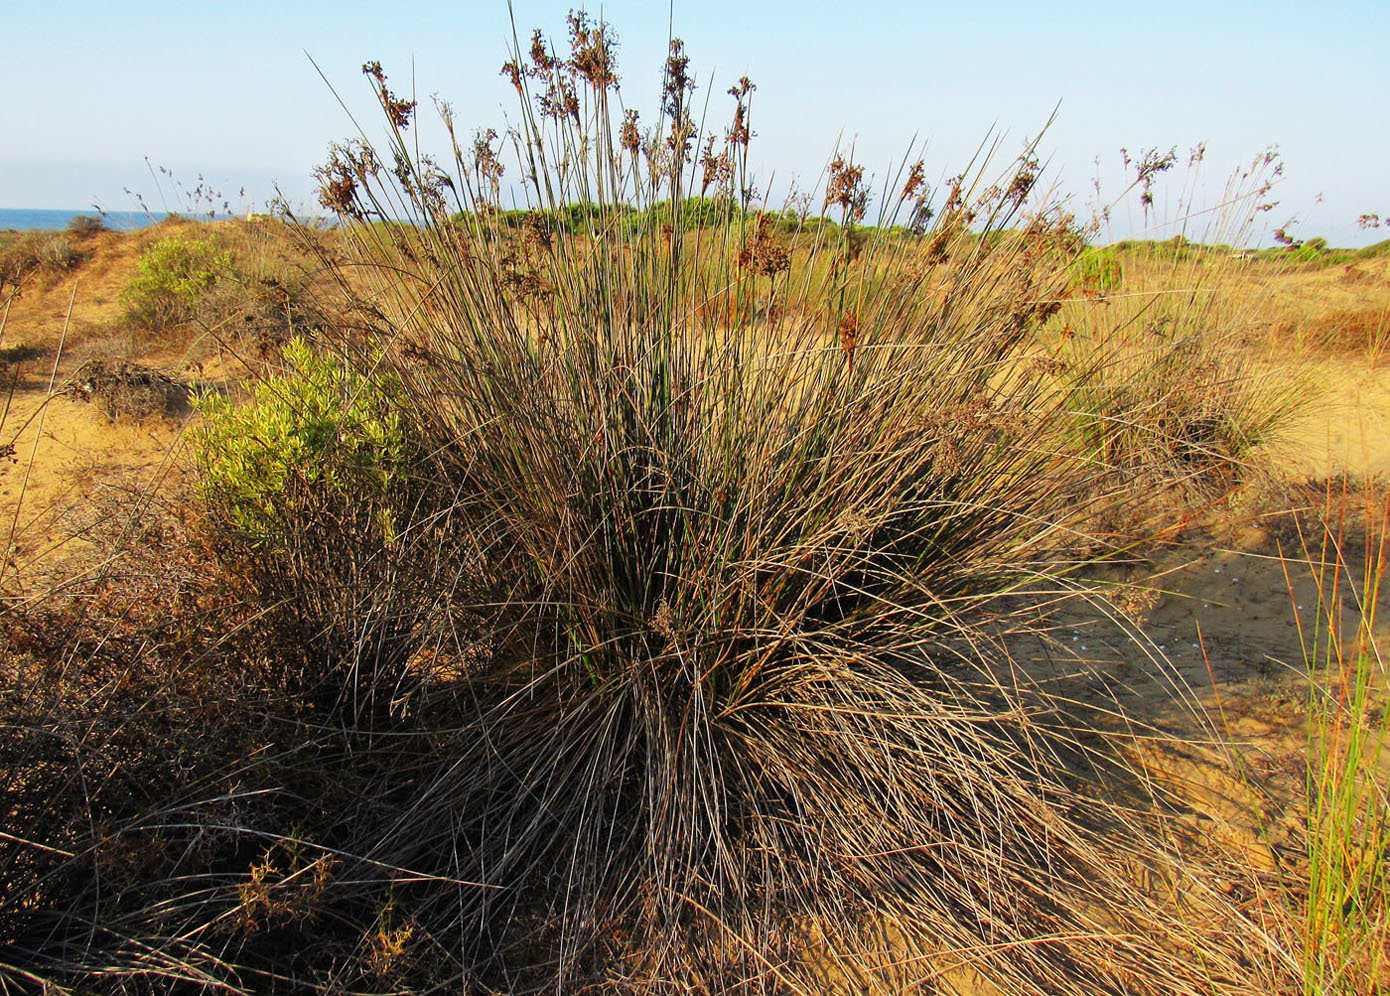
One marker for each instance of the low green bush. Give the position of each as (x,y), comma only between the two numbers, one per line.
(303,488)
(1099,270)
(36,252)
(84,226)
(319,424)
(172,277)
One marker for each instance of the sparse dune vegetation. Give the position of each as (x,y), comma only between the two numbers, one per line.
(571,573)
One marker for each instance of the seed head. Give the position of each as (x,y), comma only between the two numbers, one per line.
(663,621)
(678,84)
(513,72)
(591,48)
(485,160)
(629,137)
(1024,180)
(541,61)
(398,111)
(763,253)
(718,170)
(849,335)
(846,189)
(916,177)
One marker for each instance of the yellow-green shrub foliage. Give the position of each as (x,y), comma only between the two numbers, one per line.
(171,279)
(319,424)
(1099,270)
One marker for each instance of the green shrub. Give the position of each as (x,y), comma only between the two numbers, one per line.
(171,279)
(304,489)
(84,226)
(319,424)
(34,253)
(1099,270)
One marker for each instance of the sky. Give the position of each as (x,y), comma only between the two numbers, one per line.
(102,97)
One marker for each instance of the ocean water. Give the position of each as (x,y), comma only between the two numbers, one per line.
(54,219)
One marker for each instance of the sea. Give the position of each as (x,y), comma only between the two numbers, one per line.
(55,219)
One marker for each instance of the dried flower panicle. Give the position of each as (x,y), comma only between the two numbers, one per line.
(513,73)
(849,336)
(488,167)
(663,621)
(535,232)
(541,60)
(1136,602)
(676,91)
(846,190)
(916,180)
(558,98)
(764,254)
(629,136)
(1150,163)
(1025,178)
(350,165)
(398,112)
(854,525)
(677,86)
(718,170)
(591,50)
(739,132)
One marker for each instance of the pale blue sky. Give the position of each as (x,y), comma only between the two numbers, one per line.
(227,90)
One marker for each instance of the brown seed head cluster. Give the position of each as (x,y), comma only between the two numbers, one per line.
(541,60)
(1024,180)
(1136,602)
(676,91)
(718,170)
(678,85)
(513,72)
(398,112)
(591,47)
(764,253)
(535,233)
(349,167)
(558,99)
(916,180)
(629,137)
(739,133)
(846,189)
(489,167)
(663,621)
(1150,163)
(849,335)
